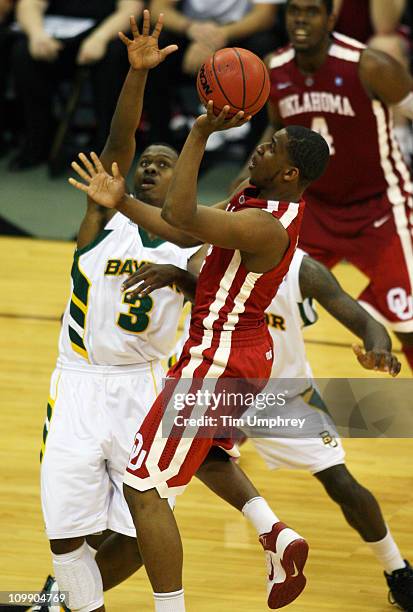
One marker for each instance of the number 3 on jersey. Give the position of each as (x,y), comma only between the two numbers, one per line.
(136,320)
(319,125)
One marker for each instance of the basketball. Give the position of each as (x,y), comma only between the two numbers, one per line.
(234,77)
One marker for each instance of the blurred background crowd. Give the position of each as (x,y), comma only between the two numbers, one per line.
(62,67)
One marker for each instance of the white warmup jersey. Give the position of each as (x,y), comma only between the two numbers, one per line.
(286,316)
(101,326)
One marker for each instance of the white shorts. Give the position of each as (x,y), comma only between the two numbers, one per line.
(313,454)
(92,416)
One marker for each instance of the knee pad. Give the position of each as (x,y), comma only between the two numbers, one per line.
(77,574)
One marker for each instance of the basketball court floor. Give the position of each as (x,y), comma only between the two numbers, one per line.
(224,564)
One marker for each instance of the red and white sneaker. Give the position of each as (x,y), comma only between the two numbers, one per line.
(286,554)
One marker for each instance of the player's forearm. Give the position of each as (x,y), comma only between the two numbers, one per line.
(29,14)
(376,336)
(385,15)
(93,223)
(180,204)
(118,21)
(120,145)
(149,217)
(173,20)
(261,17)
(358,321)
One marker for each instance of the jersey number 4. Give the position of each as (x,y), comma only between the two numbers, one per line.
(136,320)
(320,125)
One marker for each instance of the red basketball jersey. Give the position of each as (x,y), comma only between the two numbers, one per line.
(231,299)
(365,157)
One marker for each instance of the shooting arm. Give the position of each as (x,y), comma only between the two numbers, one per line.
(249,230)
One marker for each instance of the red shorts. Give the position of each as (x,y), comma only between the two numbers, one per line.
(168,463)
(377,238)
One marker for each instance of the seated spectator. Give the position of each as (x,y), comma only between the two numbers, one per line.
(377,24)
(58,36)
(6,13)
(200,27)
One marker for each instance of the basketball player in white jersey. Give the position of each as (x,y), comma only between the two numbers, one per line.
(108,370)
(323,456)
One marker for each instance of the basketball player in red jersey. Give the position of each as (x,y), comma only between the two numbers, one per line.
(362,207)
(254,237)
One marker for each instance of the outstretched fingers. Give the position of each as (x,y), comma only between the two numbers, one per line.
(98,164)
(145,27)
(115,171)
(81,172)
(239,119)
(87,164)
(126,41)
(223,118)
(168,50)
(158,27)
(78,185)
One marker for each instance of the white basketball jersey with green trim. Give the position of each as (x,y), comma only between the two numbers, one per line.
(287,314)
(101,325)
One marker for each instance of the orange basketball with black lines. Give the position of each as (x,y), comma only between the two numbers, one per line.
(236,78)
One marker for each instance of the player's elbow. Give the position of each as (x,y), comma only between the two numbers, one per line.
(172,216)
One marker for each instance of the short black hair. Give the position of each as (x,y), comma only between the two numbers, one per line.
(327,3)
(163,144)
(308,151)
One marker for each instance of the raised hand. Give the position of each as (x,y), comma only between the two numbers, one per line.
(209,123)
(143,50)
(101,187)
(377,359)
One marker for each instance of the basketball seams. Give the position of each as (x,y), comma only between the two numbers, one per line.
(264,81)
(244,87)
(229,83)
(219,84)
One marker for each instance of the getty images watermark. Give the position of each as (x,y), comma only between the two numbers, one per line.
(294,408)
(217,402)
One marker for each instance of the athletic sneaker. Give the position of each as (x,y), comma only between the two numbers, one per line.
(50,588)
(286,554)
(400,583)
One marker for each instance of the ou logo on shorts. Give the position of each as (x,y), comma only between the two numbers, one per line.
(137,455)
(400,303)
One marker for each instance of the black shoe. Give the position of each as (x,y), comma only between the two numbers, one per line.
(51,602)
(400,583)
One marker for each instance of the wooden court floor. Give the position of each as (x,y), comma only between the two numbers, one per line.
(224,566)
